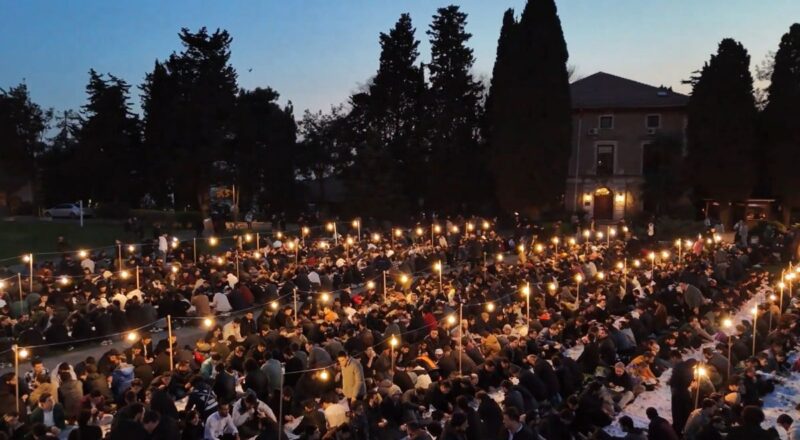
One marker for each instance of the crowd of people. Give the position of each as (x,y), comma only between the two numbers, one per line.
(450,330)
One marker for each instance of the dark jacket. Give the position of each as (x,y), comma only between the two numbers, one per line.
(37,416)
(660,429)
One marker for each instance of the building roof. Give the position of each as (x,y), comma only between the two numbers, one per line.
(603,90)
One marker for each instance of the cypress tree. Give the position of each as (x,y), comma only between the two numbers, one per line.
(721,128)
(531,112)
(780,128)
(457,164)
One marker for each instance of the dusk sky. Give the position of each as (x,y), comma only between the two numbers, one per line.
(316,52)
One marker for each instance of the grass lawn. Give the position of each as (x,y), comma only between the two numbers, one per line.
(21,236)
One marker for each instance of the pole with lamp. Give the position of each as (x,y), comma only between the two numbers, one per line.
(578,280)
(586,235)
(699,373)
(727,324)
(555,243)
(781,285)
(611,232)
(623,267)
(304,231)
(439,269)
(652,257)
(332,228)
(526,290)
(28,258)
(19,353)
(357,225)
(679,245)
(392,344)
(19,284)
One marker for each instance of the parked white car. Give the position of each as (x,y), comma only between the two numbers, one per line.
(67,210)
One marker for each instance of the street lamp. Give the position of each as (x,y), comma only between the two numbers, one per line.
(526,290)
(578,280)
(439,269)
(699,373)
(331,226)
(555,243)
(28,258)
(357,225)
(392,344)
(213,241)
(727,324)
(19,353)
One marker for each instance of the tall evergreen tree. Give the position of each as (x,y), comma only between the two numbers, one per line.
(263,151)
(22,125)
(501,71)
(721,128)
(530,113)
(385,124)
(779,122)
(108,141)
(206,86)
(159,103)
(457,165)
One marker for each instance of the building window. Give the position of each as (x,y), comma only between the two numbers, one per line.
(653,121)
(605,160)
(606,122)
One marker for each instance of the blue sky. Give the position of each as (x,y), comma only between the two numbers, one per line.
(317,52)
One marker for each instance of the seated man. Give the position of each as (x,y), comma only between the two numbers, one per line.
(49,413)
(220,423)
(248,414)
(619,387)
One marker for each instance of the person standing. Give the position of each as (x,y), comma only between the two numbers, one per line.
(353,386)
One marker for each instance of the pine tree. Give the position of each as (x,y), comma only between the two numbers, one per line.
(457,167)
(22,125)
(159,102)
(394,106)
(530,113)
(721,128)
(263,150)
(206,86)
(781,132)
(108,140)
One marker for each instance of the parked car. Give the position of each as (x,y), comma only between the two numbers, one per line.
(68,210)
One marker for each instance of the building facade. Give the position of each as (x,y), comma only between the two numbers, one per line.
(613,121)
